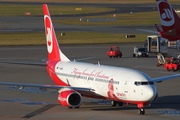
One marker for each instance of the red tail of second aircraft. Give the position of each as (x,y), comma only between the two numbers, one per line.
(169,19)
(54,52)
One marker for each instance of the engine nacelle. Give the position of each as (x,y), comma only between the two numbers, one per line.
(69,97)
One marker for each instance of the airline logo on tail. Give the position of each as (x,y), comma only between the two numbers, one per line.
(166,13)
(54,53)
(48,27)
(52,45)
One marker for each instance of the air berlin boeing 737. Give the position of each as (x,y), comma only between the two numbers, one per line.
(75,80)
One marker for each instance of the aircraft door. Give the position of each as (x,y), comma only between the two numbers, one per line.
(178,45)
(152,44)
(126,84)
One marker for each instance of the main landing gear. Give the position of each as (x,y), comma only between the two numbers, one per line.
(115,103)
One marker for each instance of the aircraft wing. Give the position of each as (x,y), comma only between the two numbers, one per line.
(160,79)
(43,63)
(26,63)
(22,85)
(82,59)
(83,91)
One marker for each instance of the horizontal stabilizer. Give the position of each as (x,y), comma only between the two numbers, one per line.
(158,28)
(149,31)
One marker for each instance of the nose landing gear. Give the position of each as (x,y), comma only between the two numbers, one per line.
(141,109)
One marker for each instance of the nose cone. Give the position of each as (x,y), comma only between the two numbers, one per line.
(150,93)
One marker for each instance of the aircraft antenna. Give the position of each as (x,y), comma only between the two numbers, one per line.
(99,63)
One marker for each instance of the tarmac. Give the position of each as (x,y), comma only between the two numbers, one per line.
(35,104)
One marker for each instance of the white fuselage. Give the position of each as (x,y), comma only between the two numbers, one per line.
(114,83)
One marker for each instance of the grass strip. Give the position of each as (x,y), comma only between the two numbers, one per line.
(20,9)
(68,38)
(95,1)
(139,18)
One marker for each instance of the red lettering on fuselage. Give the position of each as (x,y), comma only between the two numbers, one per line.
(120,94)
(94,73)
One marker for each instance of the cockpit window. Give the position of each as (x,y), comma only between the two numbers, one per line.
(143,83)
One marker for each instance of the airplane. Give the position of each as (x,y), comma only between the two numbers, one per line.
(170,21)
(75,80)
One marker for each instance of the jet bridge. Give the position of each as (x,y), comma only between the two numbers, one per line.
(157,44)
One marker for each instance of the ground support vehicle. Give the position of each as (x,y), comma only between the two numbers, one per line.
(140,52)
(172,64)
(114,51)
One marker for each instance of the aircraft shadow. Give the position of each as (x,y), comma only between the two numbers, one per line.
(167,102)
(164,102)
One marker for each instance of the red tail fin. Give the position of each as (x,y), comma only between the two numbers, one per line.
(168,17)
(54,53)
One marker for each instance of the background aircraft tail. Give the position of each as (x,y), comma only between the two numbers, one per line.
(54,52)
(168,17)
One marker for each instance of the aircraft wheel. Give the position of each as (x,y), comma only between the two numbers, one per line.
(174,69)
(141,111)
(134,55)
(158,65)
(113,103)
(120,103)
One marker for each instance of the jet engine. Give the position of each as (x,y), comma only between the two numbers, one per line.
(70,98)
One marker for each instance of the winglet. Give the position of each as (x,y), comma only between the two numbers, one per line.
(54,52)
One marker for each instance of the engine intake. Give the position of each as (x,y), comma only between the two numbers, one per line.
(69,97)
